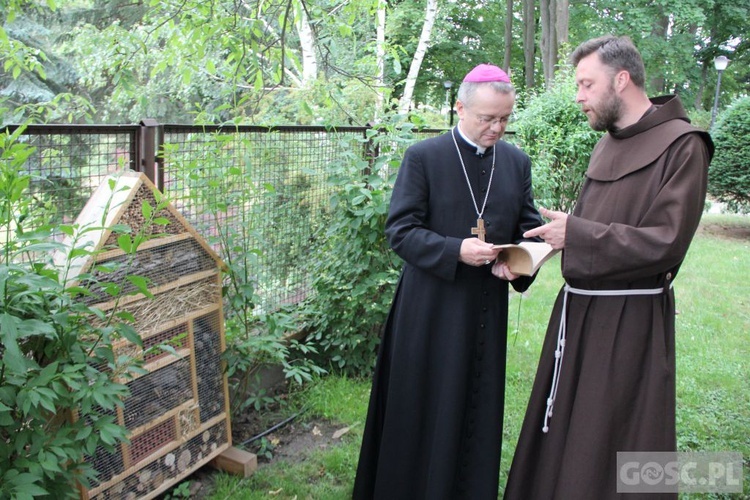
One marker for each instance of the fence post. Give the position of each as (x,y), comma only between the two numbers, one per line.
(371,150)
(151,139)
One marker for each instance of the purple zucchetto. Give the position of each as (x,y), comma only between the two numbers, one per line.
(486,73)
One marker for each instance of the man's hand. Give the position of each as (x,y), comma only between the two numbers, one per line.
(476,252)
(502,271)
(554,231)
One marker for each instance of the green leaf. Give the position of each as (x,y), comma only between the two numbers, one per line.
(120,228)
(84,432)
(32,327)
(6,419)
(110,433)
(125,243)
(141,283)
(47,373)
(47,399)
(12,356)
(126,316)
(146,209)
(129,333)
(169,349)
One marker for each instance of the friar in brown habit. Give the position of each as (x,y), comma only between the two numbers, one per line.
(606,376)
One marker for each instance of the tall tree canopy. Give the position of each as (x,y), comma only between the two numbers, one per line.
(333,61)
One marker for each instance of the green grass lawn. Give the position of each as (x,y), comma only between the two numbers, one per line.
(713,373)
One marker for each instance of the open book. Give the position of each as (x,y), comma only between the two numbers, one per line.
(527,257)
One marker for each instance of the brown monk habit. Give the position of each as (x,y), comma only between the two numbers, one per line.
(635,218)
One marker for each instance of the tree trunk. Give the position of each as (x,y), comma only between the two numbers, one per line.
(508,34)
(660,30)
(529,45)
(380,55)
(561,28)
(698,103)
(416,62)
(307,47)
(548,13)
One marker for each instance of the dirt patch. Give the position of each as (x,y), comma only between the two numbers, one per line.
(296,440)
(726,230)
(274,434)
(279,432)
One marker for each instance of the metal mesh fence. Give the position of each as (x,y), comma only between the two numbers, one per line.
(70,162)
(259,196)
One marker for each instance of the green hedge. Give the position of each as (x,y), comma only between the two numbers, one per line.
(729,174)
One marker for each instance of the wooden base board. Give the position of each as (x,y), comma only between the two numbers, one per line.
(236,461)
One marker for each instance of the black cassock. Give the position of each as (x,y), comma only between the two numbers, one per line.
(435,420)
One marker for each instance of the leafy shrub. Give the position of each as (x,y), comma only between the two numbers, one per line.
(60,379)
(268,345)
(554,132)
(354,270)
(729,173)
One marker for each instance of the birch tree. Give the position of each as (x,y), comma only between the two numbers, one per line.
(307,45)
(508,35)
(416,63)
(380,58)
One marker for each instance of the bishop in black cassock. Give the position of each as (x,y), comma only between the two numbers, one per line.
(435,420)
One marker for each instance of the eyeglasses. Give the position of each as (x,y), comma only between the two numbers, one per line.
(491,120)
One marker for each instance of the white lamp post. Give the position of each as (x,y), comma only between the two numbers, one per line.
(720,63)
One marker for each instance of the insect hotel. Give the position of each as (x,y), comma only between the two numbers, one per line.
(177,414)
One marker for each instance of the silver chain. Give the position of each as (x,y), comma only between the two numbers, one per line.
(468,183)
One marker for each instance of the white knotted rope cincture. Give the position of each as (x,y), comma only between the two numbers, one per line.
(561,333)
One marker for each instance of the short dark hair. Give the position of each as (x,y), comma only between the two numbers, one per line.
(617,52)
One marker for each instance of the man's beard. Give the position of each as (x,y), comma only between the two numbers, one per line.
(607,113)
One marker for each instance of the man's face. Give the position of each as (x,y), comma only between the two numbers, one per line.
(597,94)
(485,117)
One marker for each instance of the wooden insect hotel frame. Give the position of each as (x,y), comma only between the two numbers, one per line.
(177,414)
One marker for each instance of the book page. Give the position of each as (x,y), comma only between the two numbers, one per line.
(537,250)
(526,257)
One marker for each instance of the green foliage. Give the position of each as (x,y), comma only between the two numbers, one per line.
(700,118)
(182,490)
(354,271)
(35,79)
(554,132)
(60,378)
(224,62)
(729,173)
(265,448)
(248,354)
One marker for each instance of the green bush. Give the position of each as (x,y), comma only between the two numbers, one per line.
(729,174)
(554,132)
(60,381)
(354,270)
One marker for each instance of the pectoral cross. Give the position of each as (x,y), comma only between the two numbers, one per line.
(479,230)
